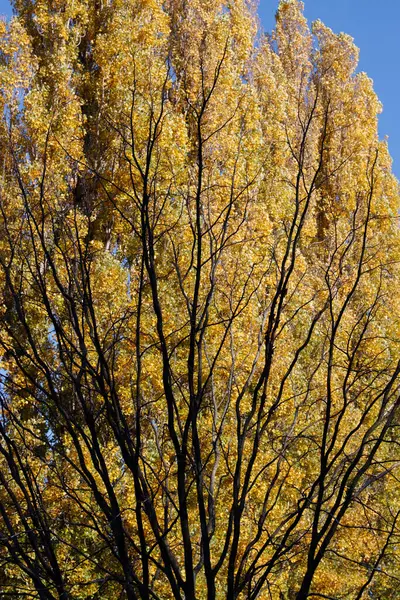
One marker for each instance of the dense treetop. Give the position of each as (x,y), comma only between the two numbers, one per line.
(199,316)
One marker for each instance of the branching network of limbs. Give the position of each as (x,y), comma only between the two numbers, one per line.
(198,441)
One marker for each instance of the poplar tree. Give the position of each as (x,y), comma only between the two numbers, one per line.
(199,316)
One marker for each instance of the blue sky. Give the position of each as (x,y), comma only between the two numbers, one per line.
(375,28)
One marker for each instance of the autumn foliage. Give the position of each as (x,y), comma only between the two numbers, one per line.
(199,316)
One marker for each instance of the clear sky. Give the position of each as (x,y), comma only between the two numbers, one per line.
(375,26)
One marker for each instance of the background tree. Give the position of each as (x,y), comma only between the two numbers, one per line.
(199,320)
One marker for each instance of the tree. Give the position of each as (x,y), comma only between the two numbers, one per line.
(199,267)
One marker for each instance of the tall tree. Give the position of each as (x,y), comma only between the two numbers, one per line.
(199,335)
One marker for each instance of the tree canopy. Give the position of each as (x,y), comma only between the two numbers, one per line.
(199,316)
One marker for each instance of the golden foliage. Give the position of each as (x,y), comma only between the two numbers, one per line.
(199,274)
